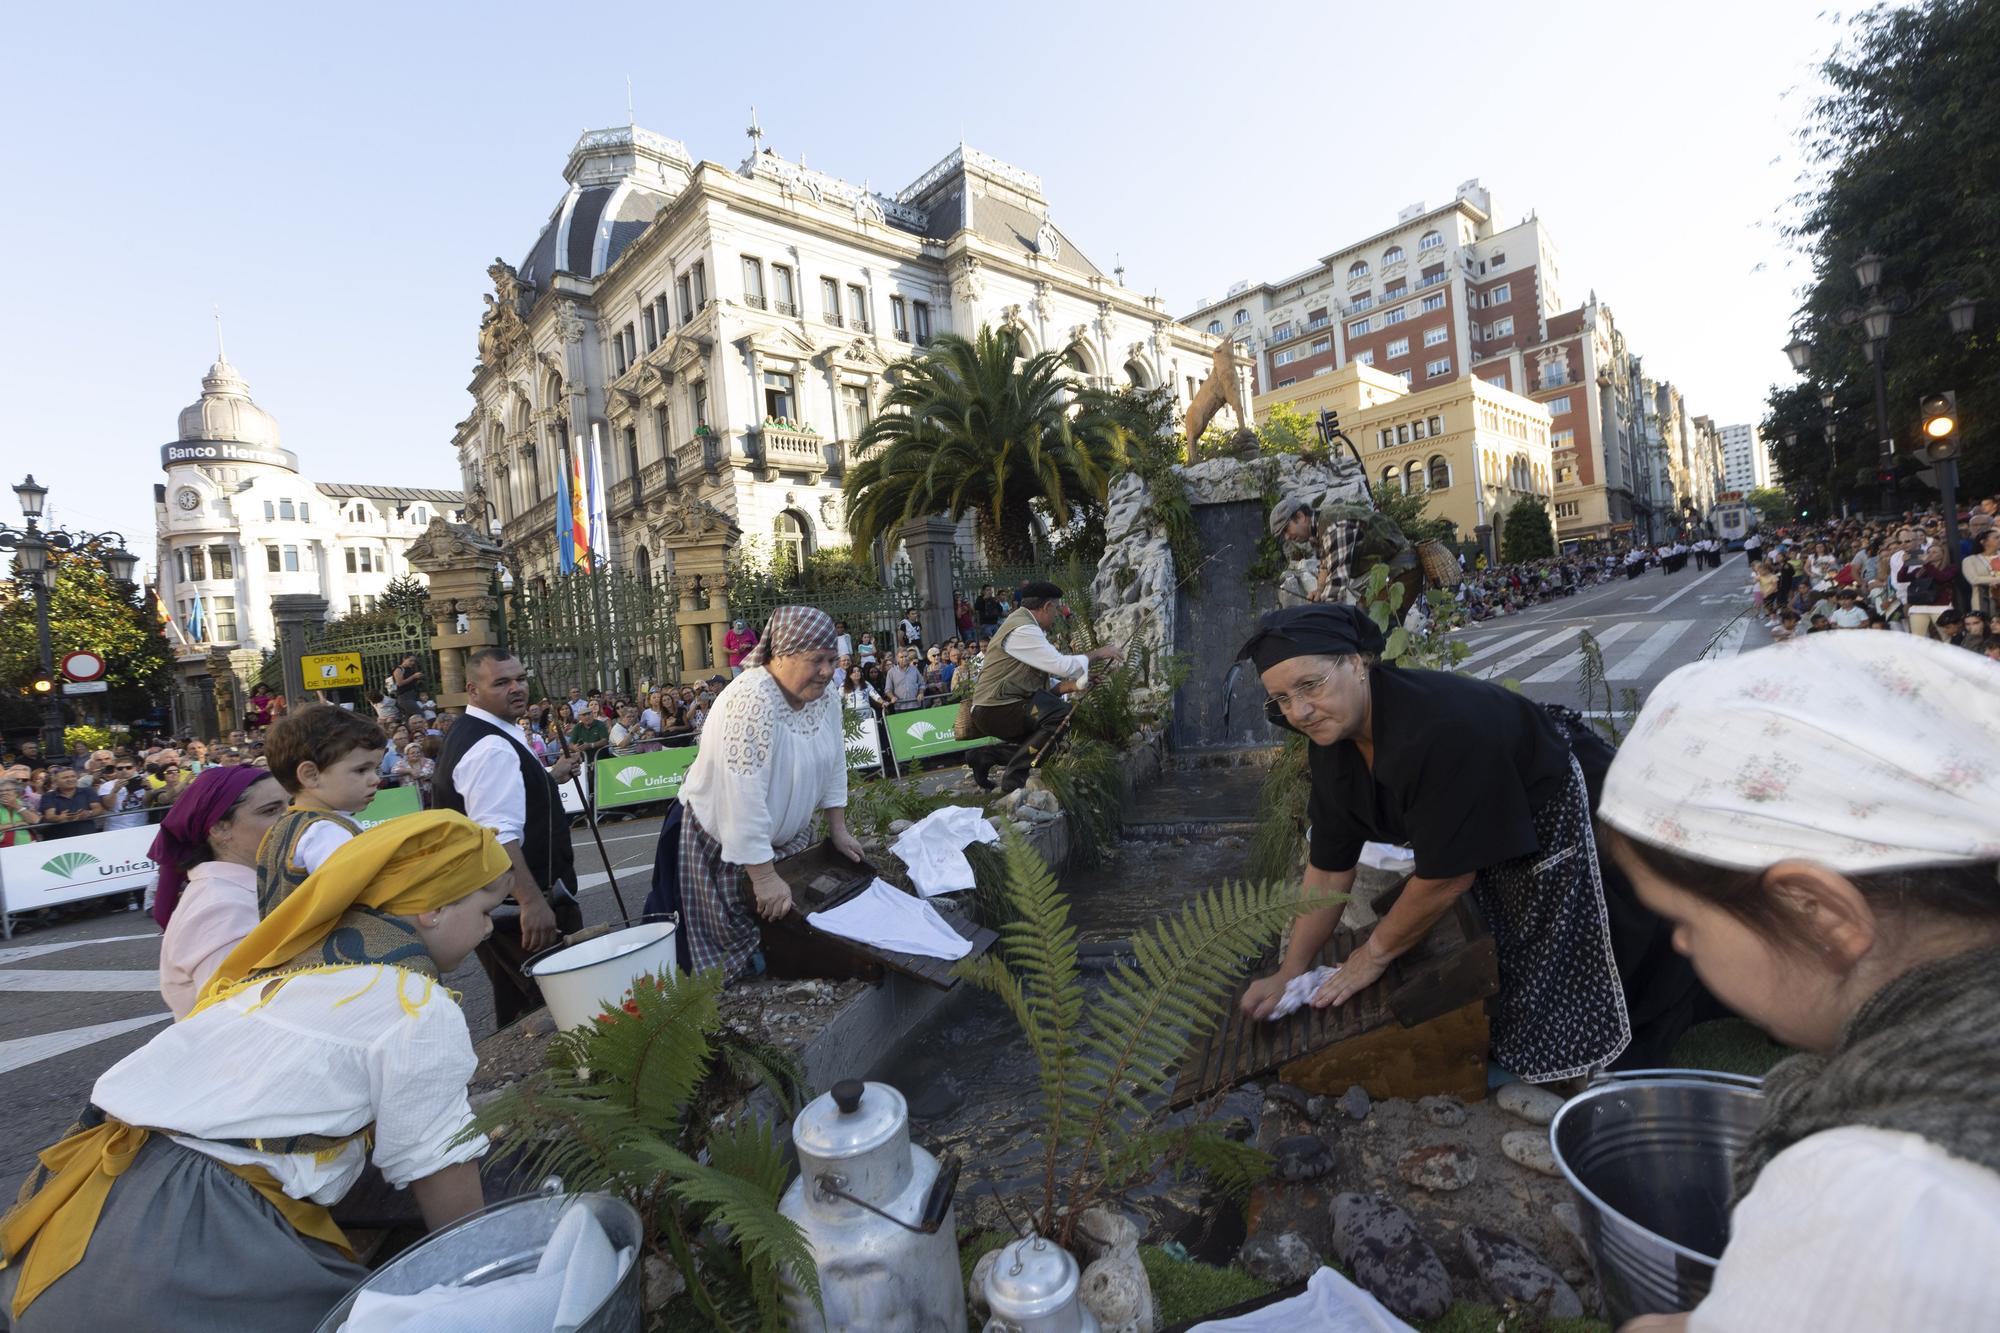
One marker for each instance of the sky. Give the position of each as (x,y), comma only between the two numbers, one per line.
(336,179)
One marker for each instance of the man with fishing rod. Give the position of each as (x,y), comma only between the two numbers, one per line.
(487,772)
(1011,701)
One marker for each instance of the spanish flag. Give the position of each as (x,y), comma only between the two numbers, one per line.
(579,510)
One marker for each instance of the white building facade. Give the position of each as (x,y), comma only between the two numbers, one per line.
(1746,459)
(236,524)
(726,334)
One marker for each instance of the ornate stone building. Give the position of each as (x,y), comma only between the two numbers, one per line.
(728,332)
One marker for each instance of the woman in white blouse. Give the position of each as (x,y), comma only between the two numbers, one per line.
(771,758)
(207,853)
(1865,932)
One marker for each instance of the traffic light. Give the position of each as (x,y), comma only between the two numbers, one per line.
(1329,423)
(42,686)
(1940,412)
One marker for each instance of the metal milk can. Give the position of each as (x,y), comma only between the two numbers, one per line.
(1032,1288)
(877,1211)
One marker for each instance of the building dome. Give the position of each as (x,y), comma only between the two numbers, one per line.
(225,412)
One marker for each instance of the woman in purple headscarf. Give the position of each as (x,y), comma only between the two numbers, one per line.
(207,853)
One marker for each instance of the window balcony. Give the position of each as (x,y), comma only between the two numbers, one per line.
(756,303)
(1433,280)
(783,447)
(833,318)
(786,308)
(703,451)
(861,325)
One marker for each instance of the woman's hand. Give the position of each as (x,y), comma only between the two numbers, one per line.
(773,896)
(1362,969)
(837,833)
(1262,995)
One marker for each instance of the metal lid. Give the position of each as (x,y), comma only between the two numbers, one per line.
(1031,1277)
(853,1119)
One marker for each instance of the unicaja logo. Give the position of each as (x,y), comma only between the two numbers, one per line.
(625,777)
(920,731)
(69,864)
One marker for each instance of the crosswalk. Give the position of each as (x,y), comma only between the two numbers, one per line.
(66,995)
(1631,650)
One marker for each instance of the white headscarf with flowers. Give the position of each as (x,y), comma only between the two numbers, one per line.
(1857,750)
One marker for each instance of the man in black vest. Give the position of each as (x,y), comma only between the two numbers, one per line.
(487,773)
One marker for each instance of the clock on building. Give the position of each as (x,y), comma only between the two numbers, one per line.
(188,498)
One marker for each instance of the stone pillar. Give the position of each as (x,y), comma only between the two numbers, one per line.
(929,542)
(292,612)
(707,561)
(460,563)
(228,691)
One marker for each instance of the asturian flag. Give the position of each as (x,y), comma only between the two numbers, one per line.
(598,516)
(197,622)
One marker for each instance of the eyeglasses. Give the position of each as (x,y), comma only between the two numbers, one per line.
(1304,690)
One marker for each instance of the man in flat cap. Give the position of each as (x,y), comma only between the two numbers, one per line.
(1292,525)
(1011,701)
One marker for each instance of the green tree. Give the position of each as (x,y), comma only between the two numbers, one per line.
(88,611)
(1772,505)
(1407,509)
(1897,146)
(1527,534)
(970,427)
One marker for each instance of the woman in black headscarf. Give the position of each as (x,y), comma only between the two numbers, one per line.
(1494,793)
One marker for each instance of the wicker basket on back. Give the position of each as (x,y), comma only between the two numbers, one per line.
(1440,564)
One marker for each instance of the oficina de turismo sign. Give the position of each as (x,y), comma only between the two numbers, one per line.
(221,451)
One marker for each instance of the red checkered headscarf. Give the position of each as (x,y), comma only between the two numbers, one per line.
(793,629)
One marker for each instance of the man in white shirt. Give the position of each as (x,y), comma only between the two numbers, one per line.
(1011,700)
(487,773)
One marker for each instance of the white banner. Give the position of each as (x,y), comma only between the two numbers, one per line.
(64,870)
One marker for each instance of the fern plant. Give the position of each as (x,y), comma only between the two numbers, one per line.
(1106,1063)
(626,1105)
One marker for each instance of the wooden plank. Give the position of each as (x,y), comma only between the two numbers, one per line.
(1444,1057)
(822,878)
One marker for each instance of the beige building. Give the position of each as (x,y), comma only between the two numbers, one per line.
(1472,447)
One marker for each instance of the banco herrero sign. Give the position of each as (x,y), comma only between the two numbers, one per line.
(221,451)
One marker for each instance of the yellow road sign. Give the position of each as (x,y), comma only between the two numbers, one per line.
(330,671)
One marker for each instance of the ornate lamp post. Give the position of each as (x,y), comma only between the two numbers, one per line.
(1876,315)
(31,546)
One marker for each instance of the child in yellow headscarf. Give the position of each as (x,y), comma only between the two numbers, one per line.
(322,1034)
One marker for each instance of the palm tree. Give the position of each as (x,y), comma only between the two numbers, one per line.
(970,427)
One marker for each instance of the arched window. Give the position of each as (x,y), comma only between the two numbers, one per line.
(791,540)
(1392,255)
(1440,470)
(1413,476)
(1215,327)
(1136,373)
(1431,241)
(1392,478)
(1242,317)
(1073,358)
(1358,269)
(643,565)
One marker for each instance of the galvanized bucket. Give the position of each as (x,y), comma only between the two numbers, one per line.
(1648,1155)
(504,1240)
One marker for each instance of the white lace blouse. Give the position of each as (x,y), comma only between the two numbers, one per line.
(765,767)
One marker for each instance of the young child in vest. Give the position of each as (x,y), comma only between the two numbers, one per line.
(192,1194)
(330,760)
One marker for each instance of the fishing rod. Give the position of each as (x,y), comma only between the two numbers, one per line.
(590,814)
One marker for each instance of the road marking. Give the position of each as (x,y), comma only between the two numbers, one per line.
(1643,597)
(1530,653)
(22,951)
(23,1051)
(1562,669)
(1685,591)
(1493,648)
(1640,659)
(53,981)
(1731,642)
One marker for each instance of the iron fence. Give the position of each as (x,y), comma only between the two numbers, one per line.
(605,630)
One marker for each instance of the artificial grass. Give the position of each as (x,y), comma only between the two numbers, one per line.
(1729,1045)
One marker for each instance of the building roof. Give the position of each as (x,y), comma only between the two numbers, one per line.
(393,494)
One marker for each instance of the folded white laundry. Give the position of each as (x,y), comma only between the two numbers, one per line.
(886,917)
(1299,990)
(1329,1304)
(934,848)
(577,1270)
(1387,856)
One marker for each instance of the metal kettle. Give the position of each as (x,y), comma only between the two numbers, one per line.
(877,1212)
(1033,1287)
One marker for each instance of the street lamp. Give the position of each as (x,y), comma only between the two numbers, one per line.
(31,546)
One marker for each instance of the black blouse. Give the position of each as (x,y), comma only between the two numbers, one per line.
(1460,768)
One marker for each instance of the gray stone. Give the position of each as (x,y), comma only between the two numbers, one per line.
(1572,1224)
(1302,1157)
(1444,1112)
(1530,1148)
(1101,1231)
(1442,1168)
(1381,1247)
(1320,1108)
(1279,1260)
(899,826)
(1034,814)
(1355,1103)
(1514,1273)
(1527,1102)
(1297,1098)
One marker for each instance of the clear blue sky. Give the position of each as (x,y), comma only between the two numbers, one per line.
(338,179)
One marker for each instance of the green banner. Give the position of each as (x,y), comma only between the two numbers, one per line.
(630,779)
(388,803)
(923,732)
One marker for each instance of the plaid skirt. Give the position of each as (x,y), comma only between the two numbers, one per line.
(718,912)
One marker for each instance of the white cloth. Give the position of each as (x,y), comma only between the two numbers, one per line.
(1299,991)
(320,841)
(488,778)
(217,908)
(765,768)
(1857,1230)
(886,917)
(328,1053)
(1329,1304)
(1387,856)
(1857,751)
(577,1270)
(934,848)
(1028,643)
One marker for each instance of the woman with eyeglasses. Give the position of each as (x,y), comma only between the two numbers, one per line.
(1495,794)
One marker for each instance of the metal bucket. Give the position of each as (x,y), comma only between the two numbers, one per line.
(1648,1155)
(505,1240)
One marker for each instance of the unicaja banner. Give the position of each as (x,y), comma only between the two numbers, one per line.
(633,779)
(67,870)
(923,732)
(388,803)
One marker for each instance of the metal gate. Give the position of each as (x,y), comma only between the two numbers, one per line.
(382,646)
(606,630)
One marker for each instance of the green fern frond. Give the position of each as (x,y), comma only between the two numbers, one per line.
(762,1064)
(743,1207)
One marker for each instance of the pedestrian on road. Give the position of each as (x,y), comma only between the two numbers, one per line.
(206,895)
(486,771)
(1491,791)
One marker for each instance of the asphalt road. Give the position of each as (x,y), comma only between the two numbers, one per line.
(78,995)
